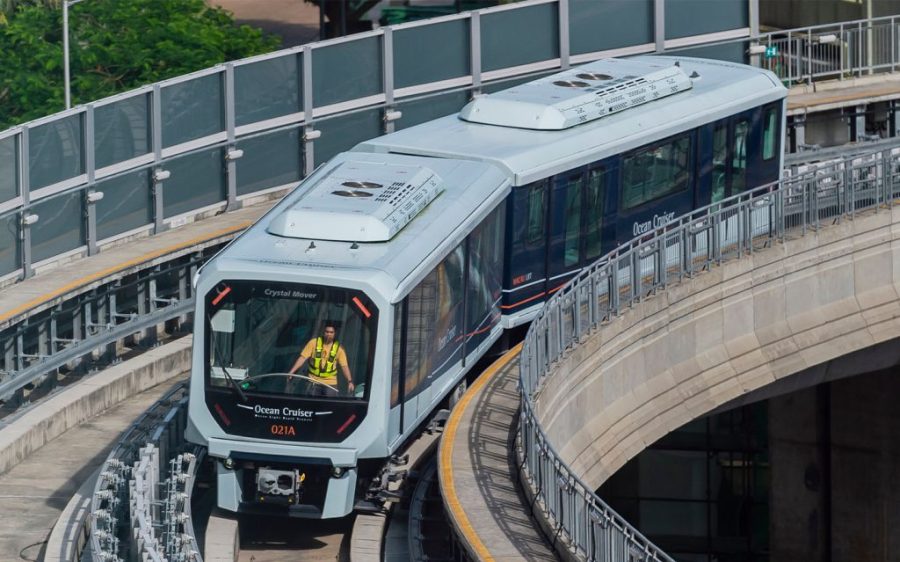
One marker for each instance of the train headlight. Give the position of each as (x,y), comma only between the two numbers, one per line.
(338,471)
(228,463)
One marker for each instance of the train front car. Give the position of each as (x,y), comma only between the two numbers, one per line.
(293,389)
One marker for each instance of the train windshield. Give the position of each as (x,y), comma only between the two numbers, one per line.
(304,341)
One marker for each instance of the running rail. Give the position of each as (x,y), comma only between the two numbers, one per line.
(586,526)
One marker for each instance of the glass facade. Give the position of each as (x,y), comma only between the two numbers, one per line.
(701,492)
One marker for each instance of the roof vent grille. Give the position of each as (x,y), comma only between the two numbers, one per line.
(343,207)
(579,96)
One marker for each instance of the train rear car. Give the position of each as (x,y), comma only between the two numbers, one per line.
(606,152)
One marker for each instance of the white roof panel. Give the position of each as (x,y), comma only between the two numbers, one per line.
(718,90)
(580,95)
(359,201)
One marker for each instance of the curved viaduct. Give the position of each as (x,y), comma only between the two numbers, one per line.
(735,329)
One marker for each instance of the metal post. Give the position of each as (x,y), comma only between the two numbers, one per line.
(65,9)
(231,155)
(659,25)
(156,140)
(564,49)
(90,204)
(309,160)
(809,56)
(387,54)
(25,178)
(475,51)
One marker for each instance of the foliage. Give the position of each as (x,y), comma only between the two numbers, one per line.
(115,45)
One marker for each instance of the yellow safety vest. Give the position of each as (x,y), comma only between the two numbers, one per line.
(328,370)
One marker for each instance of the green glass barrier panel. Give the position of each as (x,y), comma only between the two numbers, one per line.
(10,248)
(347,71)
(599,25)
(516,37)
(507,83)
(122,130)
(60,225)
(267,89)
(270,161)
(196,181)
(431,53)
(731,52)
(55,151)
(127,204)
(682,16)
(341,133)
(9,168)
(432,107)
(192,109)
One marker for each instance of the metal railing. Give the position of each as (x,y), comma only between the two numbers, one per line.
(726,230)
(830,51)
(92,328)
(136,513)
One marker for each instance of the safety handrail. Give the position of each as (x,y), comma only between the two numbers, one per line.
(704,238)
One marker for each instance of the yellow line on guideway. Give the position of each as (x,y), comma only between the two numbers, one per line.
(446,455)
(119,267)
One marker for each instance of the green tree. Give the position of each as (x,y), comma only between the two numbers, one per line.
(115,45)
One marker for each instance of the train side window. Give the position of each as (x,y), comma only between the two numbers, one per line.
(739,156)
(656,172)
(593,206)
(537,214)
(719,162)
(769,134)
(397,359)
(573,221)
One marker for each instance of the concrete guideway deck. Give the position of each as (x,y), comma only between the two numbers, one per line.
(838,94)
(53,284)
(477,470)
(35,492)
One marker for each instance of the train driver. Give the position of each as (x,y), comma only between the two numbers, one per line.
(326,354)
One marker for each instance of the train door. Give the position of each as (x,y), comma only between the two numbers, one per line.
(526,254)
(581,221)
(736,154)
(565,234)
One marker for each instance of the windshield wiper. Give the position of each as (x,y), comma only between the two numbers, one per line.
(234,385)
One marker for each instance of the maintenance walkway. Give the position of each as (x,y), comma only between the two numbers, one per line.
(479,480)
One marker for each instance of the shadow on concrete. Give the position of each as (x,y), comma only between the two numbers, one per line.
(491,441)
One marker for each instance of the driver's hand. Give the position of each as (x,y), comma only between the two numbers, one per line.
(351,387)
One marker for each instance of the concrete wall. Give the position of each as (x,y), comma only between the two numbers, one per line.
(724,333)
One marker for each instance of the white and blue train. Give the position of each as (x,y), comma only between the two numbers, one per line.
(419,248)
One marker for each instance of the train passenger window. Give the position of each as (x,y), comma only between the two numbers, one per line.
(656,172)
(536,214)
(434,323)
(593,203)
(485,278)
(397,356)
(573,222)
(739,156)
(719,162)
(769,134)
